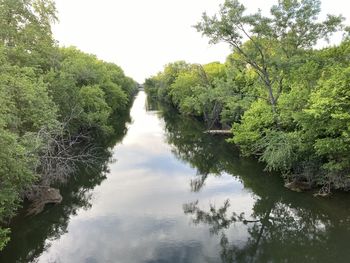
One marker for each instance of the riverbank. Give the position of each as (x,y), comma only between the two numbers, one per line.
(302,133)
(176,194)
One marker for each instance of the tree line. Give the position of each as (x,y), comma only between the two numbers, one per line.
(282,225)
(284,100)
(55,103)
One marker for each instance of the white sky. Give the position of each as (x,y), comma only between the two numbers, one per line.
(141,36)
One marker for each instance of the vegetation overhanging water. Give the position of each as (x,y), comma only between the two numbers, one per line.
(175,194)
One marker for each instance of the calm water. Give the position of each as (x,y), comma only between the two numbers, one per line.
(176,195)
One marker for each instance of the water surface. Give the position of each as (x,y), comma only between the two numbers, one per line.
(175,194)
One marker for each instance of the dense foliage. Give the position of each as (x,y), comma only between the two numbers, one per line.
(284,100)
(281,226)
(51,98)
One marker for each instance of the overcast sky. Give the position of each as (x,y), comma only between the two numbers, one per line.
(142,36)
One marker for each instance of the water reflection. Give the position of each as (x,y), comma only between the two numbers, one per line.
(29,234)
(282,226)
(176,195)
(277,232)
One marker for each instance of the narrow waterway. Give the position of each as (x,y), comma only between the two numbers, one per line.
(175,194)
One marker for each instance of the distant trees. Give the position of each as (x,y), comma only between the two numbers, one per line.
(285,101)
(51,100)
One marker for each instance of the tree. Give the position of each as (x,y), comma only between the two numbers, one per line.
(89,90)
(54,102)
(325,127)
(25,108)
(271,41)
(25,30)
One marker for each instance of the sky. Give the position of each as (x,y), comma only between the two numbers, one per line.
(141,36)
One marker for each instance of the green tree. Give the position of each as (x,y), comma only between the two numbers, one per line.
(325,127)
(25,109)
(25,29)
(272,41)
(51,99)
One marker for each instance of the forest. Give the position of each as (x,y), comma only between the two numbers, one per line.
(284,99)
(56,105)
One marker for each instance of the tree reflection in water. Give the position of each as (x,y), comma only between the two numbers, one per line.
(29,235)
(283,226)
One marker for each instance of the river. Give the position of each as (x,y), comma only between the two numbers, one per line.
(174,194)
